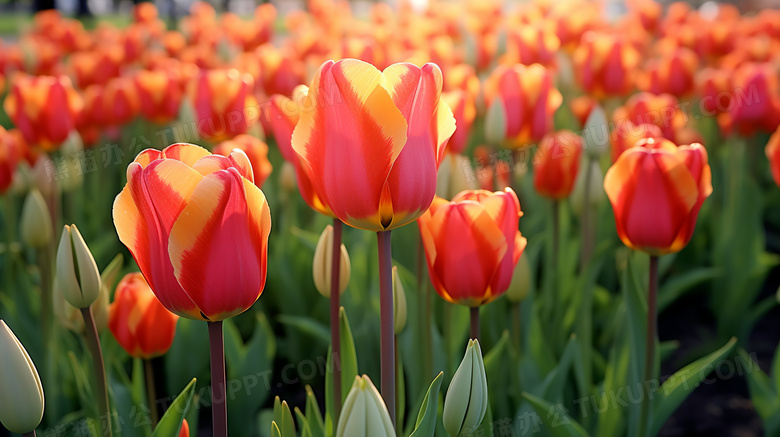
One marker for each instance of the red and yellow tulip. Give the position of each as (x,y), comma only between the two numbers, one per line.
(255,149)
(159,94)
(472,245)
(139,322)
(223,101)
(556,164)
(605,65)
(197,227)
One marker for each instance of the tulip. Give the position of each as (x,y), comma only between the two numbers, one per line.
(222,100)
(581,107)
(323,261)
(465,111)
(662,110)
(466,402)
(44,108)
(656,192)
(672,73)
(462,77)
(557,163)
(716,91)
(36,227)
(627,134)
(21,393)
(10,154)
(364,412)
(772,151)
(282,116)
(399,302)
(588,193)
(92,119)
(533,44)
(648,11)
(185,429)
(98,66)
(255,149)
(159,94)
(605,65)
(375,162)
(203,255)
(77,276)
(757,99)
(140,324)
(485,224)
(120,101)
(527,99)
(280,72)
(70,317)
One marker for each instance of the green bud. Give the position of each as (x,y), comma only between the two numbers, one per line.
(36,227)
(595,187)
(71,175)
(467,397)
(455,175)
(399,302)
(495,123)
(595,133)
(364,412)
(521,281)
(21,393)
(323,264)
(77,277)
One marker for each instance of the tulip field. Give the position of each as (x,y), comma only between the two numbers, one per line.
(333,219)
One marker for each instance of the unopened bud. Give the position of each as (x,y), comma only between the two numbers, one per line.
(399,302)
(467,398)
(36,227)
(364,412)
(21,393)
(77,277)
(323,264)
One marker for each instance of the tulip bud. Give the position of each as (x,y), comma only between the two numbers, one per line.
(287,178)
(36,224)
(495,123)
(455,175)
(77,277)
(399,302)
(595,188)
(185,429)
(595,133)
(21,393)
(323,261)
(364,412)
(521,281)
(71,175)
(467,398)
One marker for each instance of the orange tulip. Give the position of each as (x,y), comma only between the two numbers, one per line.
(139,322)
(255,149)
(372,141)
(647,11)
(159,94)
(528,100)
(465,111)
(185,429)
(93,118)
(581,107)
(222,101)
(557,163)
(532,45)
(605,65)
(10,154)
(462,77)
(772,152)
(656,192)
(662,110)
(627,134)
(672,73)
(197,227)
(472,245)
(97,66)
(280,73)
(714,87)
(44,108)
(571,27)
(120,101)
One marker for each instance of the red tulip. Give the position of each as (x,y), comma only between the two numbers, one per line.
(372,142)
(197,227)
(662,110)
(672,73)
(472,245)
(10,154)
(605,65)
(465,111)
(222,99)
(140,324)
(120,101)
(656,192)
(44,108)
(255,149)
(756,103)
(627,134)
(159,94)
(557,163)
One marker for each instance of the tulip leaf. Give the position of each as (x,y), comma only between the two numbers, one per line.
(348,363)
(426,418)
(170,423)
(307,325)
(555,418)
(303,423)
(275,432)
(677,286)
(762,394)
(313,415)
(675,389)
(498,373)
(110,274)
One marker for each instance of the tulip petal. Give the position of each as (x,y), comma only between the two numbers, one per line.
(350,140)
(283,116)
(218,244)
(214,163)
(144,213)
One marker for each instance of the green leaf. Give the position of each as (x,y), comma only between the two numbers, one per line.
(170,423)
(498,374)
(764,397)
(303,423)
(349,369)
(675,389)
(555,418)
(308,326)
(275,432)
(674,288)
(111,273)
(426,417)
(313,415)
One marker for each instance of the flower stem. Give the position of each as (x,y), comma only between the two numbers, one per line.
(516,326)
(649,344)
(30,434)
(474,332)
(151,394)
(587,236)
(101,392)
(218,393)
(387,330)
(335,335)
(423,310)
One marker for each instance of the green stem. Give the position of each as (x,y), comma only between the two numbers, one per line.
(101,392)
(516,326)
(151,393)
(10,237)
(398,370)
(30,434)
(387,330)
(335,335)
(587,236)
(652,291)
(474,328)
(423,310)
(218,380)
